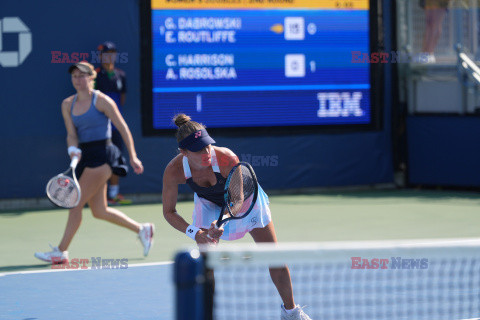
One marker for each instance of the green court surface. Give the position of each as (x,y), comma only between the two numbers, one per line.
(360,215)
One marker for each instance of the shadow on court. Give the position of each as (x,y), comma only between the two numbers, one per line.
(25,267)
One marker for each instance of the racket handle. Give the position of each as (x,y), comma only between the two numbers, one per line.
(216,227)
(74,162)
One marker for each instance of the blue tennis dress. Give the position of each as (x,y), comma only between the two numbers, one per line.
(206,211)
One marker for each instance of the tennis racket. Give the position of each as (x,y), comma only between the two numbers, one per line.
(63,190)
(240,194)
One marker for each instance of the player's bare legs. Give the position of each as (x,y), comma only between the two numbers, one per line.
(114,180)
(91,182)
(100,210)
(280,276)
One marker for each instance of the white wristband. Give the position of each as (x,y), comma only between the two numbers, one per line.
(192,231)
(73,149)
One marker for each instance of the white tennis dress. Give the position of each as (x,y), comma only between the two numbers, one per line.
(205,211)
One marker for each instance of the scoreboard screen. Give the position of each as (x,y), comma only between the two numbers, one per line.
(259,63)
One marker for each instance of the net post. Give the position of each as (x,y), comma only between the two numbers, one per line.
(189,278)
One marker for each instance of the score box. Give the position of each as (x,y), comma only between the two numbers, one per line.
(294,28)
(294,65)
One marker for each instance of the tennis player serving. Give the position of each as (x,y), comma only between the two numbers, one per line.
(88,116)
(205,169)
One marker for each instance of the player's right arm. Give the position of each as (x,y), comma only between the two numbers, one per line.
(72,138)
(172,177)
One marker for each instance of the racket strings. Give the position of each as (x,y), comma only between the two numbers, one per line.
(240,190)
(63,191)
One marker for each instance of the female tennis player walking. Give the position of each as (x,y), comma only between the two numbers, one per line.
(205,168)
(88,116)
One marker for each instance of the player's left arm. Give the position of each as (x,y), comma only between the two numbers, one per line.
(226,159)
(106,105)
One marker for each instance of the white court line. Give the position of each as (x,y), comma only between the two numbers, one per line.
(148,264)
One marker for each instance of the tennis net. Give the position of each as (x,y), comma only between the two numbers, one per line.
(416,279)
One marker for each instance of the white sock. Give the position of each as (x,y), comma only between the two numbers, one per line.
(113,191)
(288,311)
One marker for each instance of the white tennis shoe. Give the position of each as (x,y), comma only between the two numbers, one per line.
(296,314)
(54,257)
(146,236)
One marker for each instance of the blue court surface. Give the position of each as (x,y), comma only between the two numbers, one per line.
(143,291)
